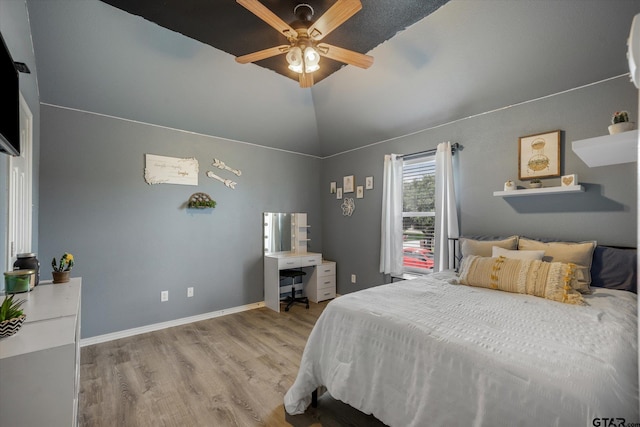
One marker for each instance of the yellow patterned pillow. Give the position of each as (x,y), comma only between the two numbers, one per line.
(550,280)
(578,253)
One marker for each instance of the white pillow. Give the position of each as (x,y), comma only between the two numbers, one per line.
(497,251)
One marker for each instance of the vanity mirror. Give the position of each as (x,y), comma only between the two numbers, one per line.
(285,232)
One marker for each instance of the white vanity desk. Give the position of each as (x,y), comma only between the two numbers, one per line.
(276,261)
(285,246)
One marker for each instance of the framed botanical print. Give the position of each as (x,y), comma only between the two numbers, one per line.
(347,185)
(539,155)
(369,183)
(359,192)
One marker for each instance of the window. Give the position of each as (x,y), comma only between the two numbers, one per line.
(418,212)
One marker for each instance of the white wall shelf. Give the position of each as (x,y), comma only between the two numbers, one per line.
(608,150)
(540,191)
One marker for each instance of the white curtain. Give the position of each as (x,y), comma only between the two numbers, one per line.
(446,207)
(391,242)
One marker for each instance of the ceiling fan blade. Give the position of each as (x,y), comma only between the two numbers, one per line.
(306,80)
(262,12)
(345,55)
(333,18)
(263,54)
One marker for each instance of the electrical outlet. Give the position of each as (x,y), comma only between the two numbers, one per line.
(190,292)
(353,278)
(164,296)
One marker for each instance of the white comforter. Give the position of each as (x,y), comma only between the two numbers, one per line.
(426,352)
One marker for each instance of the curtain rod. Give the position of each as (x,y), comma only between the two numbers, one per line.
(454,147)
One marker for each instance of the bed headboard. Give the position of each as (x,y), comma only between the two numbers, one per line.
(612,267)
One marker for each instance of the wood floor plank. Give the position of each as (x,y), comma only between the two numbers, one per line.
(227,371)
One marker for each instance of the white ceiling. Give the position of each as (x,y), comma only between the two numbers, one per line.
(468,57)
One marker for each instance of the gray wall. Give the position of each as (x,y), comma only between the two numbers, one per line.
(606,212)
(14,25)
(132,240)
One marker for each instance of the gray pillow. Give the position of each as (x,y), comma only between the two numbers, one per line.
(615,268)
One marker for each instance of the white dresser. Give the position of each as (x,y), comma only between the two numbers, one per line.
(322,284)
(40,365)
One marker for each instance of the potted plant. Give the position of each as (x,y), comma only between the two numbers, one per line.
(620,123)
(201,201)
(11,316)
(202,204)
(535,183)
(62,269)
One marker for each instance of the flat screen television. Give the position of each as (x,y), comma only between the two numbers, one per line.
(9,103)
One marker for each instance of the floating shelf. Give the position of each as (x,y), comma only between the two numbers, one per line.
(608,150)
(540,191)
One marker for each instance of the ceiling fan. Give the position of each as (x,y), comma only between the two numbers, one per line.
(304,50)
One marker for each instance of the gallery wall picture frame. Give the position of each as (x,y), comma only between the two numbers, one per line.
(332,187)
(360,192)
(347,184)
(539,155)
(339,193)
(368,182)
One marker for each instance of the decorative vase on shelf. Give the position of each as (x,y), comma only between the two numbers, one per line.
(533,184)
(621,127)
(60,276)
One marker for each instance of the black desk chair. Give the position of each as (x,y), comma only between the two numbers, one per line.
(292,299)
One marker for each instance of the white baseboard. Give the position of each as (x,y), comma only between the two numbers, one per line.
(169,324)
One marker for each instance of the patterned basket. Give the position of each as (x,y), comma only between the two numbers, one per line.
(11,326)
(201,201)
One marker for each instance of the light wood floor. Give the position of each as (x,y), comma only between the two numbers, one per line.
(228,371)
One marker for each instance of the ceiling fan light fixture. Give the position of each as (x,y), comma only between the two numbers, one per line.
(294,58)
(311,60)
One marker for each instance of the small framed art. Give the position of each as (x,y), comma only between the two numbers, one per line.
(332,187)
(347,185)
(539,155)
(368,183)
(339,193)
(359,192)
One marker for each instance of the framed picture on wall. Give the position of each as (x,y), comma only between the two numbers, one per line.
(359,192)
(332,187)
(369,183)
(339,193)
(539,155)
(347,185)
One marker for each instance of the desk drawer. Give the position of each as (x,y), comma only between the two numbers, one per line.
(307,260)
(289,262)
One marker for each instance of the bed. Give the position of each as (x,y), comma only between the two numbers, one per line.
(431,351)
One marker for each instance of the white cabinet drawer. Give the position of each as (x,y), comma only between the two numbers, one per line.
(326,282)
(328,268)
(308,260)
(325,294)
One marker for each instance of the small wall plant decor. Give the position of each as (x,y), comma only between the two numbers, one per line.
(201,201)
